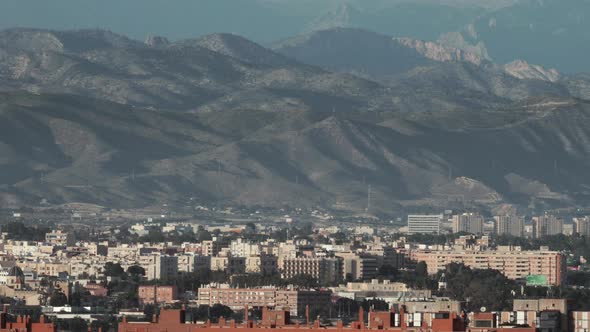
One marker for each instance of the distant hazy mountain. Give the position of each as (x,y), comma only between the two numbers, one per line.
(215,72)
(551,33)
(404,62)
(184,75)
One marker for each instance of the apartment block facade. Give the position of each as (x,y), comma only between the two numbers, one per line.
(295,300)
(424,224)
(324,269)
(514,264)
(509,225)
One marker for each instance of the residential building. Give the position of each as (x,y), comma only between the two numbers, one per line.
(241,248)
(468,223)
(157,294)
(513,263)
(159,266)
(190,262)
(262,264)
(547,225)
(59,238)
(358,266)
(210,247)
(271,297)
(509,225)
(424,223)
(579,321)
(231,265)
(325,270)
(582,226)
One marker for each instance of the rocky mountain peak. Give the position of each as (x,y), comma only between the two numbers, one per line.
(439,52)
(157,41)
(524,70)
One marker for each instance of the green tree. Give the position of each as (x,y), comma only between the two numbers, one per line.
(220,310)
(375,304)
(303,280)
(77,324)
(479,288)
(58,299)
(203,234)
(113,270)
(421,270)
(136,270)
(387,272)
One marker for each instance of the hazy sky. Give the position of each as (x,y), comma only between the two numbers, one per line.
(171,18)
(260,20)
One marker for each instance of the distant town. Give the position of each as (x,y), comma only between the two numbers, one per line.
(77,270)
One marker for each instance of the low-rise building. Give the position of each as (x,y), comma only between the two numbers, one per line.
(295,300)
(60,238)
(157,294)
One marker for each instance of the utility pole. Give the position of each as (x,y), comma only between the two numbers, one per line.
(369,198)
(450,173)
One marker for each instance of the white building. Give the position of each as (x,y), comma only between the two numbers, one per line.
(424,223)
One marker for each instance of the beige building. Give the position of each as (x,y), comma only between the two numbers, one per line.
(241,248)
(375,286)
(514,264)
(582,226)
(229,264)
(59,238)
(580,321)
(358,266)
(190,262)
(437,305)
(238,298)
(538,305)
(210,248)
(547,225)
(323,269)
(262,264)
(156,294)
(52,269)
(158,266)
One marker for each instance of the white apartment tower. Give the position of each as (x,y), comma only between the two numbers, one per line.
(509,225)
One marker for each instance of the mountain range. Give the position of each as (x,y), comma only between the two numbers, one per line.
(550,33)
(92,116)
